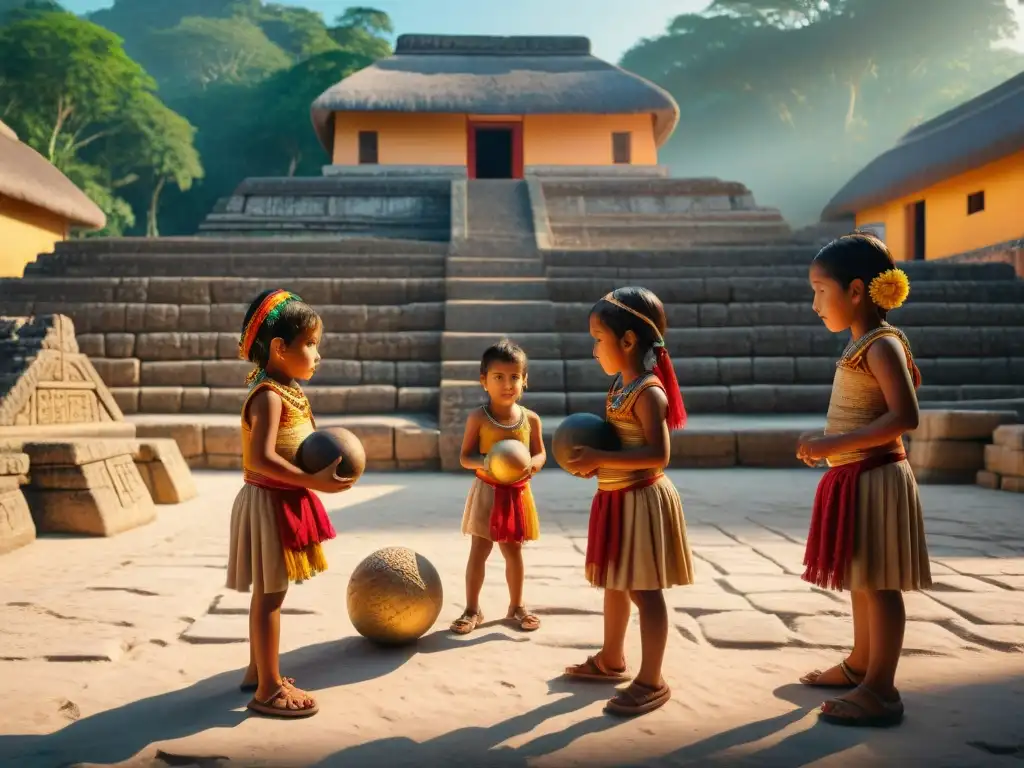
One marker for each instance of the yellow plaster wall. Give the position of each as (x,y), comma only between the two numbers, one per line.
(948,228)
(25,232)
(440,139)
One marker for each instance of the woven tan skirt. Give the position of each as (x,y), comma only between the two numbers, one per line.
(254,549)
(889,548)
(653,550)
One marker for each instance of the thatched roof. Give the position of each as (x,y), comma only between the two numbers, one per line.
(982,130)
(494,76)
(27,176)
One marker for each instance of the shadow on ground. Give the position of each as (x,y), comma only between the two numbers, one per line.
(119,733)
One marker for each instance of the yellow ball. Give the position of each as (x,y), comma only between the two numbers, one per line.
(508,460)
(394,596)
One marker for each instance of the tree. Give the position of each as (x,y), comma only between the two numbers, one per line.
(199,52)
(794,96)
(283,135)
(361,30)
(157,148)
(63,82)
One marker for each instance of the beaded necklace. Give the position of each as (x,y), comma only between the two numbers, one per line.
(619,397)
(495,422)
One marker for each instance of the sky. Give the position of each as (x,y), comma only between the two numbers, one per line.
(611,31)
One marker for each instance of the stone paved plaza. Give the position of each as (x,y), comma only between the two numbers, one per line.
(127,650)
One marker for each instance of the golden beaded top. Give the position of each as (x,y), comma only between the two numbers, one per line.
(620,410)
(296,424)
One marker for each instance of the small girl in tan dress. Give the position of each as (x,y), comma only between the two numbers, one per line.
(500,513)
(277,522)
(636,545)
(867,529)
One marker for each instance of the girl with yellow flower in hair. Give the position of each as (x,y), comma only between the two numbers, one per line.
(867,531)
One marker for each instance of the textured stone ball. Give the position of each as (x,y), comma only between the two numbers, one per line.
(508,460)
(394,596)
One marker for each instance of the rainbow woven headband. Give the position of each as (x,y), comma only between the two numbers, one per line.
(268,309)
(658,341)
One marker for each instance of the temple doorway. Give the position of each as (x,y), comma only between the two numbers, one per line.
(495,150)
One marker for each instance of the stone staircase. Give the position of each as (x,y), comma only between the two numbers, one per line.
(494,271)
(407,321)
(160,320)
(745,340)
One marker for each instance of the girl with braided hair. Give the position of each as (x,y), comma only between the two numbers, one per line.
(636,546)
(277,522)
(867,528)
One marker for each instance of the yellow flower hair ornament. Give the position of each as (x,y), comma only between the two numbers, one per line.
(890,289)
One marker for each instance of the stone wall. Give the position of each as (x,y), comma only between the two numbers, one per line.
(400,206)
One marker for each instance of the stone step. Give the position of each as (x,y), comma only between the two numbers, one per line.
(586,376)
(493,288)
(274,269)
(246,245)
(518,316)
(725,269)
(759,398)
(411,346)
(498,210)
(221,290)
(327,400)
(116,317)
(780,289)
(242,225)
(500,316)
(761,341)
(459,266)
(666,234)
(212,440)
(755,258)
(230,374)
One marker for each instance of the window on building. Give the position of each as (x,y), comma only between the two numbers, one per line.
(622,146)
(368,148)
(975,202)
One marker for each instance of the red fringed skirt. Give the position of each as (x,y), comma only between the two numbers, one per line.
(830,541)
(637,538)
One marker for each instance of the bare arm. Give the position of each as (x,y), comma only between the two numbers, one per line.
(652,411)
(264,416)
(470,457)
(888,362)
(537,451)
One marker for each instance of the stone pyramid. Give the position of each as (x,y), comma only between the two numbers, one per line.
(48,386)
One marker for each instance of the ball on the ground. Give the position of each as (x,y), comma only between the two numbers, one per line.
(508,461)
(394,596)
(582,429)
(325,446)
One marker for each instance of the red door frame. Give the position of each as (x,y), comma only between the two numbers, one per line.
(472,126)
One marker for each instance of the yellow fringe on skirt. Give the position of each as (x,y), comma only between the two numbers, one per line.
(305,563)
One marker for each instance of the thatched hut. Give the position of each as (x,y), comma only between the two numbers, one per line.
(39,205)
(494,106)
(953,184)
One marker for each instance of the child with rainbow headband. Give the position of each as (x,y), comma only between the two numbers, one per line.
(277,522)
(867,528)
(636,546)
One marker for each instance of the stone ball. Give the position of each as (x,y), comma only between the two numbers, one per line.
(394,596)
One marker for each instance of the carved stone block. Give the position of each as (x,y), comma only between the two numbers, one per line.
(87,487)
(16,525)
(164,471)
(47,386)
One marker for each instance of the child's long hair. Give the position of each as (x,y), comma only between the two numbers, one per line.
(640,311)
(274,314)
